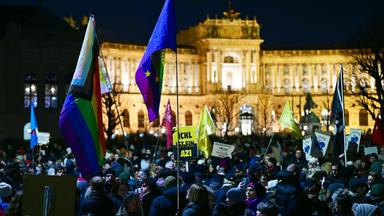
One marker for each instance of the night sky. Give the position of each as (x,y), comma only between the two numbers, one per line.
(295,23)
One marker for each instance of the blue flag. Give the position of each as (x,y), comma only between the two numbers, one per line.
(34,140)
(337,116)
(149,74)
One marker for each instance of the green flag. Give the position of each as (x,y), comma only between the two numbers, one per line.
(286,121)
(205,128)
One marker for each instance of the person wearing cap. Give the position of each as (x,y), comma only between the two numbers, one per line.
(235,205)
(255,193)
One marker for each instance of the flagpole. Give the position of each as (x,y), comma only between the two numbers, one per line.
(177,145)
(111,90)
(343,106)
(30,113)
(269,144)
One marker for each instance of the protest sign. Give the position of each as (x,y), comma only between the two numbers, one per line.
(187,139)
(222,150)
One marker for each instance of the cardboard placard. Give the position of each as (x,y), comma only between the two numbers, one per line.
(222,150)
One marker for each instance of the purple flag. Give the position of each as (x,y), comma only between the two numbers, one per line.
(149,74)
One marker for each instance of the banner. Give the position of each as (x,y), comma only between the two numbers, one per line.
(307,146)
(322,141)
(187,138)
(355,137)
(222,150)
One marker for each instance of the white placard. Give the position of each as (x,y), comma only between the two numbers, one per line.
(323,141)
(307,146)
(371,150)
(222,150)
(355,137)
(43,137)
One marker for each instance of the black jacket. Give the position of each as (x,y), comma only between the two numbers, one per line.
(97,204)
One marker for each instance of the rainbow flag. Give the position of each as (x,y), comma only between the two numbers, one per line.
(81,116)
(149,74)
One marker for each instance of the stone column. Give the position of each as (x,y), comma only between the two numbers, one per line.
(219,67)
(248,67)
(209,66)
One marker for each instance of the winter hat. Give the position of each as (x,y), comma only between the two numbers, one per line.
(124,176)
(170,181)
(236,195)
(81,184)
(5,190)
(363,209)
(377,190)
(354,183)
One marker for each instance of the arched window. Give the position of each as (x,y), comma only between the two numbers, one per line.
(140,119)
(363,117)
(188,118)
(30,91)
(125,115)
(246,119)
(287,86)
(229,59)
(324,85)
(305,84)
(50,91)
(346,116)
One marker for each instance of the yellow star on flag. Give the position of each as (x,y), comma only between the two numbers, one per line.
(147,74)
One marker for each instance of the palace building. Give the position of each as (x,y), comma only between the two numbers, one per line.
(225,55)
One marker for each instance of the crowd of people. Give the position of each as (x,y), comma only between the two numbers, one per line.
(251,182)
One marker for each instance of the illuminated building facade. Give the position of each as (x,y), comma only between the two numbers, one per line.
(226,54)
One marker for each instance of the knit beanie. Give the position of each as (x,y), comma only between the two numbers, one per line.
(236,195)
(363,209)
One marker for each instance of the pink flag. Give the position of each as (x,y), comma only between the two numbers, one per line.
(168,122)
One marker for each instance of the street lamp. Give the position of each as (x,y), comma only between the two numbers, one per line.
(325,118)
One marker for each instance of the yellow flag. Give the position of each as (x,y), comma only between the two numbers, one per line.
(286,121)
(206,127)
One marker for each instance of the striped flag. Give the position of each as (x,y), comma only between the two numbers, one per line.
(81,119)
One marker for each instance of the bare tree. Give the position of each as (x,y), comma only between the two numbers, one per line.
(369,78)
(264,111)
(370,94)
(110,104)
(225,104)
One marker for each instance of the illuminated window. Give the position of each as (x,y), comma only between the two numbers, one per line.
(30,91)
(50,91)
(188,118)
(363,117)
(140,119)
(125,115)
(246,120)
